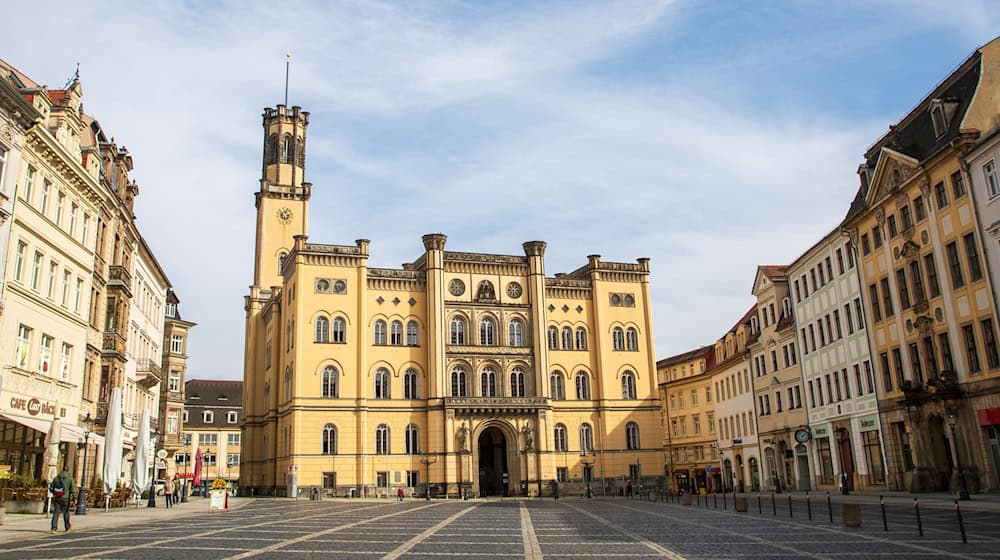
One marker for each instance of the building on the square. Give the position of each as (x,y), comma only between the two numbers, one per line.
(212,417)
(173,366)
(777,383)
(927,291)
(689,424)
(736,429)
(53,197)
(845,434)
(459,371)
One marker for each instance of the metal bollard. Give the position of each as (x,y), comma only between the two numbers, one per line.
(774,507)
(961,524)
(829,506)
(885,522)
(789,506)
(715,500)
(724,495)
(920,525)
(809,508)
(760,508)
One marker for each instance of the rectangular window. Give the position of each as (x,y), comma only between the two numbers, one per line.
(330,481)
(886,372)
(812,337)
(812,278)
(29,183)
(208,439)
(805,345)
(904,291)
(174,381)
(382,479)
(710,420)
(876,311)
(858,382)
(46,188)
(825,459)
(232,460)
(873,454)
(22,247)
(562,474)
(972,255)
(886,297)
(836,387)
(805,287)
(829,270)
(812,395)
(918,281)
(85,230)
(859,314)
(919,209)
(23,346)
(77,295)
(847,317)
(869,377)
(822,277)
(819,389)
(906,451)
(905,221)
(915,365)
(233,439)
(971,350)
(958,184)
(941,194)
(65,360)
(36,270)
(45,354)
(955,266)
(708,393)
(176,344)
(930,357)
(992,181)
(50,292)
(774,360)
(60,201)
(850,255)
(877,236)
(840,261)
(897,363)
(932,278)
(947,363)
(73,209)
(865,247)
(65,288)
(798,295)
(990,343)
(836,324)
(891,224)
(777,401)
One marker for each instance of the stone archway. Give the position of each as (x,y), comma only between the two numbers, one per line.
(493,468)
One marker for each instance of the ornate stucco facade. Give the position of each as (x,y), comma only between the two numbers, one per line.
(462,370)
(688,404)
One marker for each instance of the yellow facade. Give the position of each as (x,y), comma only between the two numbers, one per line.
(927,292)
(471,371)
(689,407)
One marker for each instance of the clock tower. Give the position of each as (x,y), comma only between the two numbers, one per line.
(283,198)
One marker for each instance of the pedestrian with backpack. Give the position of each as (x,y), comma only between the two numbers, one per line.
(63,486)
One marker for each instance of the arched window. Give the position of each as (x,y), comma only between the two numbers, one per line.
(396,333)
(628,386)
(567,338)
(488,383)
(553,337)
(517,382)
(458,382)
(281,260)
(382,440)
(561,441)
(581,338)
(287,149)
(330,378)
(582,386)
(271,152)
(458,330)
(411,334)
(339,330)
(618,337)
(515,333)
(380,332)
(586,439)
(410,384)
(632,435)
(329,439)
(557,388)
(322,329)
(381,383)
(487,332)
(288,383)
(412,446)
(632,339)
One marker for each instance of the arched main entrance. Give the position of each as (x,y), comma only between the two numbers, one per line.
(493,472)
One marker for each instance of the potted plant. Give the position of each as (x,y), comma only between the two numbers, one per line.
(27,495)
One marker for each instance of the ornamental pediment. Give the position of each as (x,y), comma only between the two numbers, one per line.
(893,171)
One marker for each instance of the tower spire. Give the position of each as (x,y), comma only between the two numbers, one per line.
(288,63)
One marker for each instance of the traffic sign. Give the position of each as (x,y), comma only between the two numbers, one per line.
(708,469)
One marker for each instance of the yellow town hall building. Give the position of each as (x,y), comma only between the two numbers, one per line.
(471,372)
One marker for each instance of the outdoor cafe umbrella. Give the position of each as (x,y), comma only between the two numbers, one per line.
(52,449)
(140,467)
(113,442)
(197,469)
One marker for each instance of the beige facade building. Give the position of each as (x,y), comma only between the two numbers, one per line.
(933,320)
(777,383)
(173,366)
(457,372)
(212,418)
(686,397)
(736,430)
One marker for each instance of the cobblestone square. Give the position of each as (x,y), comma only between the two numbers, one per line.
(529,529)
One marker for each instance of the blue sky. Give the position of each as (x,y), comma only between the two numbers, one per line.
(709,136)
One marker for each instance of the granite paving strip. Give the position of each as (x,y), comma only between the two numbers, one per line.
(532,549)
(663,552)
(403,548)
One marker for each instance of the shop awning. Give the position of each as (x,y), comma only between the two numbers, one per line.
(681,472)
(70,433)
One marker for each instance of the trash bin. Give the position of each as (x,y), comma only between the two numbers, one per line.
(741,503)
(851,514)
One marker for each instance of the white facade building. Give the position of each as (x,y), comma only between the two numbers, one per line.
(837,368)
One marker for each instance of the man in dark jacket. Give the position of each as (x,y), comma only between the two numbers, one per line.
(63,486)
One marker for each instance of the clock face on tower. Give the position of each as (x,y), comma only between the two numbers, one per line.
(285,215)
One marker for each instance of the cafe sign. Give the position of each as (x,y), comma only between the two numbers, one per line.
(34,407)
(869,423)
(821,432)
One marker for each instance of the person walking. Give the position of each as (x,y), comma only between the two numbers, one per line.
(400,494)
(168,492)
(63,486)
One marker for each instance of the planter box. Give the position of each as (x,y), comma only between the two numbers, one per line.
(852,515)
(741,503)
(686,500)
(24,506)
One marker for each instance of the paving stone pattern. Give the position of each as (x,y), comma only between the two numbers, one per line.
(529,529)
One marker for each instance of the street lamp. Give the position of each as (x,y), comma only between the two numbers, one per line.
(963,489)
(586,470)
(81,500)
(427,461)
(187,460)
